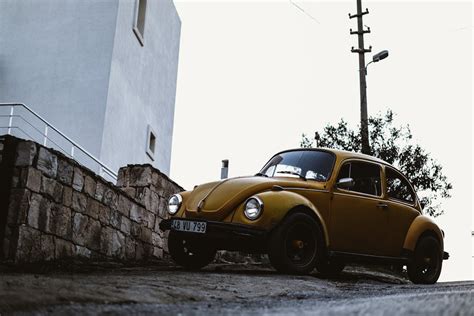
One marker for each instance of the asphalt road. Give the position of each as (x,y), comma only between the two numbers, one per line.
(225,290)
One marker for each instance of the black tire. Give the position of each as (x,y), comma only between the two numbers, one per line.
(329,268)
(189,253)
(427,261)
(295,245)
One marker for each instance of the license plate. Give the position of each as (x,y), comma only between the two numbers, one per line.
(189,226)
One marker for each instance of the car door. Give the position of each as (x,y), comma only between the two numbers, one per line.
(402,210)
(358,218)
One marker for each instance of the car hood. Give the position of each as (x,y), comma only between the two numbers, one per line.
(216,200)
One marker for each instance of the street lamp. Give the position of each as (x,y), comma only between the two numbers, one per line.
(376,58)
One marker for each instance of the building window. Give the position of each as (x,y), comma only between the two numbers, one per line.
(139,27)
(150,143)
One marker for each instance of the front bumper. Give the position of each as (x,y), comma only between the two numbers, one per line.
(226,236)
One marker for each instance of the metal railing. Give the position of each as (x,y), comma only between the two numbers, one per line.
(20,121)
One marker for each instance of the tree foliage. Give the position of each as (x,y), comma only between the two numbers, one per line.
(395,145)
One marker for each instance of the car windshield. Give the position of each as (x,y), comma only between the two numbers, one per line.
(307,164)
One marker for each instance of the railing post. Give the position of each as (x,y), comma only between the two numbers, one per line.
(45,135)
(10,121)
(72,151)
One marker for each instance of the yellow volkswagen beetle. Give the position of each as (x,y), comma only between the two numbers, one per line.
(307,209)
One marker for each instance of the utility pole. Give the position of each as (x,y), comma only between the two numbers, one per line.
(364,124)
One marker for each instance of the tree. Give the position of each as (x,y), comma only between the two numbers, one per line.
(395,145)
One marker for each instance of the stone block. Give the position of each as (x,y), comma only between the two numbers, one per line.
(99,191)
(28,247)
(124,205)
(130,191)
(125,225)
(39,212)
(135,229)
(63,249)
(112,242)
(163,208)
(52,189)
(145,235)
(157,252)
(18,178)
(139,251)
(78,180)
(122,178)
(140,176)
(156,240)
(154,203)
(142,216)
(47,162)
(18,207)
(130,245)
(25,154)
(110,198)
(143,195)
(60,222)
(92,208)
(115,219)
(90,186)
(67,196)
(47,248)
(79,202)
(118,244)
(65,172)
(86,231)
(104,214)
(106,240)
(82,252)
(33,179)
(165,242)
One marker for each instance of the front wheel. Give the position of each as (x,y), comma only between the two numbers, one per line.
(295,245)
(425,267)
(189,253)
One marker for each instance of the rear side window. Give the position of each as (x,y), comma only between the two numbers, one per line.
(398,188)
(366,177)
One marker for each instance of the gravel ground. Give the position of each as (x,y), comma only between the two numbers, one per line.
(225,290)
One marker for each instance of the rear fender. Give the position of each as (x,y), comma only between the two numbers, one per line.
(422,225)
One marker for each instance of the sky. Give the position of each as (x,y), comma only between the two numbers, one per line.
(253,76)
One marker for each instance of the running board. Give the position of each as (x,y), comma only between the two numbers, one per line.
(363,258)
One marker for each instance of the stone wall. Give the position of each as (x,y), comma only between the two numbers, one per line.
(54,208)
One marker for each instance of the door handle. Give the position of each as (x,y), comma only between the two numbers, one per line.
(382,205)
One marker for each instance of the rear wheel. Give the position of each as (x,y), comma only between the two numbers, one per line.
(295,245)
(427,261)
(189,253)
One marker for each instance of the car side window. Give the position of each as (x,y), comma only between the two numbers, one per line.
(398,188)
(366,177)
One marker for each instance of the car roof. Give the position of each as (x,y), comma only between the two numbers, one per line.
(342,154)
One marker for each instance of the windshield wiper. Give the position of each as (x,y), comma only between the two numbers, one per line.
(261,175)
(293,173)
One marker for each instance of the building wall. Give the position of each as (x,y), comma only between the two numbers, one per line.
(78,64)
(142,86)
(55,57)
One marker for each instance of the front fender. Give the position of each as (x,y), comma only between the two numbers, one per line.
(276,206)
(420,225)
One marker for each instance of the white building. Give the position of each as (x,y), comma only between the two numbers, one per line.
(103,72)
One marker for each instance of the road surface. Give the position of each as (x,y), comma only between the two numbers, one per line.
(225,290)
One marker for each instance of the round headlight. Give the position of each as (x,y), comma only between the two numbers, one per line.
(174,203)
(253,208)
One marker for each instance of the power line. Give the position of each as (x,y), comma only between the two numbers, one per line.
(302,10)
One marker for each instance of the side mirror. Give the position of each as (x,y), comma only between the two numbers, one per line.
(345,183)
